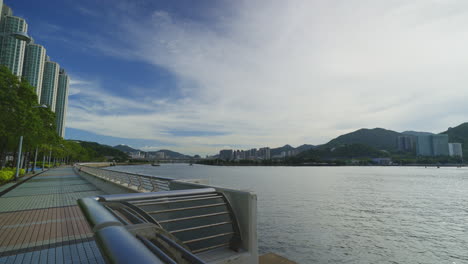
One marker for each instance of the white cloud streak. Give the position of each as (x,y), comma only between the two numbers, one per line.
(278,72)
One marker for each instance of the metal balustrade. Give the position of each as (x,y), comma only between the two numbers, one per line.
(140,182)
(217,225)
(174,225)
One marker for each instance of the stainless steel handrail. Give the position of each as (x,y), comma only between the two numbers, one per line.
(140,182)
(203,220)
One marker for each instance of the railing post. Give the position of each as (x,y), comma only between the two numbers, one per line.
(140,186)
(154,183)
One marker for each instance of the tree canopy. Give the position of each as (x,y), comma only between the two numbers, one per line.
(21,115)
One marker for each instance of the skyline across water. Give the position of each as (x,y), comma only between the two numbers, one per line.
(348,214)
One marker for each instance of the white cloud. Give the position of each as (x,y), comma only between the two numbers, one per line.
(277,72)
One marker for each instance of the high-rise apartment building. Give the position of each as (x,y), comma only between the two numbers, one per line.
(424,145)
(455,149)
(12,49)
(33,69)
(432,145)
(440,145)
(226,154)
(29,62)
(50,84)
(61,103)
(1,8)
(264,153)
(405,143)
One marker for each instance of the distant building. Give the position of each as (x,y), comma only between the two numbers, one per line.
(226,154)
(455,149)
(405,143)
(264,153)
(12,49)
(432,145)
(251,154)
(160,155)
(238,155)
(424,145)
(440,145)
(1,7)
(137,155)
(29,61)
(61,103)
(33,68)
(50,84)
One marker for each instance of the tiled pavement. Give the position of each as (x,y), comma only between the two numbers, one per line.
(41,223)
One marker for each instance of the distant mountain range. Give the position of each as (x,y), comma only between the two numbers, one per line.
(363,141)
(98,151)
(416,133)
(286,148)
(167,153)
(126,149)
(378,138)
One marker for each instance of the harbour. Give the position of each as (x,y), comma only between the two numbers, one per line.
(233,132)
(348,214)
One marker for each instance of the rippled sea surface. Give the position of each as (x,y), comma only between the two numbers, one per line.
(349,214)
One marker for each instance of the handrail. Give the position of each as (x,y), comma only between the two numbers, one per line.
(120,246)
(240,211)
(140,182)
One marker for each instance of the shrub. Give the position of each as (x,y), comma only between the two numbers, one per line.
(6,175)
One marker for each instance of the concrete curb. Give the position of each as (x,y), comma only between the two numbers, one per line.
(23,180)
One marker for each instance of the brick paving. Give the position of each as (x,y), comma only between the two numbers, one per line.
(40,221)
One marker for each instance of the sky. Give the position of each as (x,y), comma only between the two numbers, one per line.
(200,76)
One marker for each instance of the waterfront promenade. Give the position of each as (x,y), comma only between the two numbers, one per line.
(40,221)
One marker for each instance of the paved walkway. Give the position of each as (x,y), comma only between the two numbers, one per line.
(40,221)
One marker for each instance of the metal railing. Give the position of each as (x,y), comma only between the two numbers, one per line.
(207,221)
(174,225)
(140,182)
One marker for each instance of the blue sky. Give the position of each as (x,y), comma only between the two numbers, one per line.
(198,76)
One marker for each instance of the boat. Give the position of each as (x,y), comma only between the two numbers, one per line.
(155,164)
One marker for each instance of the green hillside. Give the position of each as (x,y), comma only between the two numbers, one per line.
(171,154)
(97,152)
(277,151)
(459,134)
(378,138)
(126,149)
(351,151)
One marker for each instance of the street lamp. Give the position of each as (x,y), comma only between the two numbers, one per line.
(18,161)
(19,35)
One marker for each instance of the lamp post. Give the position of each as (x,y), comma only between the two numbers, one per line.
(18,162)
(24,37)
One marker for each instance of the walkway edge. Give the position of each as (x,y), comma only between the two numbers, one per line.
(19,183)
